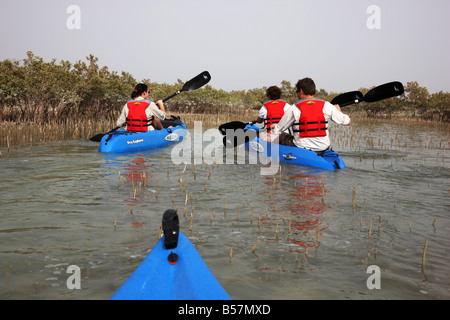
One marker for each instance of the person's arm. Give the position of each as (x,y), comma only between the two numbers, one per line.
(160,104)
(123,116)
(286,121)
(153,110)
(335,113)
(262,114)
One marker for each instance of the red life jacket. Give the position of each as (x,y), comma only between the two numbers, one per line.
(275,111)
(137,118)
(312,121)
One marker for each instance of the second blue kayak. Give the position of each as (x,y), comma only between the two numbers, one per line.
(328,160)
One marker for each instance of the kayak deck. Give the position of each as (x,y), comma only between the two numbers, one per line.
(328,160)
(125,141)
(156,279)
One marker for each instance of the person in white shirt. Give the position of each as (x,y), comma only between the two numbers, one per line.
(140,113)
(308,118)
(273,109)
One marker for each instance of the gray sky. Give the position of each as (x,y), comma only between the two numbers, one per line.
(244,44)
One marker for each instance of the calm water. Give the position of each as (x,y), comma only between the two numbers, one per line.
(313,233)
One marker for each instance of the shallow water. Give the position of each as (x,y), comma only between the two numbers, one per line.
(299,234)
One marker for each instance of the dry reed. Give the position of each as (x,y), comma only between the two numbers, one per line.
(424,255)
(18,134)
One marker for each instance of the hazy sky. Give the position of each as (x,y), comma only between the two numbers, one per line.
(342,44)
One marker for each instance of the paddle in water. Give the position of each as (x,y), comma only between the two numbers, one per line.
(193,84)
(234,133)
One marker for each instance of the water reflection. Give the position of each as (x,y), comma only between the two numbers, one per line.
(297,203)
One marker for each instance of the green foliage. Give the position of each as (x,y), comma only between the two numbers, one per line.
(42,92)
(32,90)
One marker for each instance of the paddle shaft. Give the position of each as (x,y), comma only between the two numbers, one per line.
(171,96)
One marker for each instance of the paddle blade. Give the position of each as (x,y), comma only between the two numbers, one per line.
(348,98)
(238,137)
(387,90)
(197,82)
(97,137)
(233,125)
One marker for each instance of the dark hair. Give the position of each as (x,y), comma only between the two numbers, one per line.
(138,90)
(273,93)
(307,85)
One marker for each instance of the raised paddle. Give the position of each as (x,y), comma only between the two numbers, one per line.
(348,98)
(193,84)
(384,91)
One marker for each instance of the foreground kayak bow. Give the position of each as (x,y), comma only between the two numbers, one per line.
(173,270)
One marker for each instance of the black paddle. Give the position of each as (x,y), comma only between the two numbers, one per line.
(233,125)
(384,91)
(348,98)
(193,84)
(239,135)
(98,137)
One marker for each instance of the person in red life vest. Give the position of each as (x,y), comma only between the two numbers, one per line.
(273,109)
(308,118)
(140,113)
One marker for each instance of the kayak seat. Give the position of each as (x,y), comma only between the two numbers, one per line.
(173,121)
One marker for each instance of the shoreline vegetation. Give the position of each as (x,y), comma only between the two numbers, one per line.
(42,101)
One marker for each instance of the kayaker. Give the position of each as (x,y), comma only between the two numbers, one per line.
(308,118)
(140,113)
(273,109)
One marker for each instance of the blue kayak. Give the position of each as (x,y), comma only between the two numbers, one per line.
(173,270)
(328,160)
(123,140)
